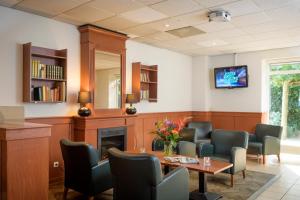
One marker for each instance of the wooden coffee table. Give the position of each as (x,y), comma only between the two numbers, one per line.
(201,193)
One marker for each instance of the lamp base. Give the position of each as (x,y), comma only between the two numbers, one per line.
(131,110)
(84,112)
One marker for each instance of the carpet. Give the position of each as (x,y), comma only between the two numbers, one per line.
(244,189)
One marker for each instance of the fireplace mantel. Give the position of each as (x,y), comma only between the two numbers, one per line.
(86,128)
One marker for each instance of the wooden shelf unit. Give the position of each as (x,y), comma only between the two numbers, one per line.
(144,78)
(49,58)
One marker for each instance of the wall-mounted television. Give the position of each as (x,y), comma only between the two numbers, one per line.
(231,77)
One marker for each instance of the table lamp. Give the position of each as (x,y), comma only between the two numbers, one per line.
(130,98)
(84,98)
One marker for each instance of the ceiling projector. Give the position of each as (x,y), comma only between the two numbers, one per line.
(219,16)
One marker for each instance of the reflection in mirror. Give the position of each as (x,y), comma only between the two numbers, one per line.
(107,80)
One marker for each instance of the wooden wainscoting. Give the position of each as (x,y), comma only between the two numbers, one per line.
(245,121)
(232,120)
(221,120)
(62,127)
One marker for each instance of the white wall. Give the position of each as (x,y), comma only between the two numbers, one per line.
(200,84)
(174,77)
(255,97)
(18,27)
(239,99)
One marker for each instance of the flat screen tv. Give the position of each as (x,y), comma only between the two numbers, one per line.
(231,77)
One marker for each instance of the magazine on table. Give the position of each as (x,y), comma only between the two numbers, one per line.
(182,159)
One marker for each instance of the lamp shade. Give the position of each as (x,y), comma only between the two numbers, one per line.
(130,98)
(84,97)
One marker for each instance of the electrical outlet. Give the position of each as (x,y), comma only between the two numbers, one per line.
(56,164)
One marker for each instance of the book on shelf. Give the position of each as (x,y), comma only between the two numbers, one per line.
(144,94)
(46,94)
(144,77)
(44,71)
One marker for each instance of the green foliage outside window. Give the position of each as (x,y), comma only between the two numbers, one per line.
(293,98)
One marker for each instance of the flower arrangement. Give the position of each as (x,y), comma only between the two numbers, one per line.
(168,132)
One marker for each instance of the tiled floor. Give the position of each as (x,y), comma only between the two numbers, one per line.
(287,187)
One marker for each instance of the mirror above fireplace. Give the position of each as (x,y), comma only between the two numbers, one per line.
(107,81)
(103,54)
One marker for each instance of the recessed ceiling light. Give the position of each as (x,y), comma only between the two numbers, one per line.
(167,25)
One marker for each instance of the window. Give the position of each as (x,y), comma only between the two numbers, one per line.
(285,98)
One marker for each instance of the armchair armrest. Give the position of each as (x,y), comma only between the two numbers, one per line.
(101,175)
(252,137)
(238,159)
(271,145)
(205,149)
(175,185)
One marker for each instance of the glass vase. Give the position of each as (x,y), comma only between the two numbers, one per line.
(168,149)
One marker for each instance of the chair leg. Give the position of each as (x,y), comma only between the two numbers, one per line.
(65,193)
(244,174)
(264,159)
(231,180)
(278,156)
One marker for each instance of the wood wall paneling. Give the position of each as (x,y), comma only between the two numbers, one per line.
(139,133)
(62,127)
(131,135)
(36,164)
(245,121)
(91,137)
(201,116)
(149,125)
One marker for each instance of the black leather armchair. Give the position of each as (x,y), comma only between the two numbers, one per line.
(265,141)
(83,171)
(203,131)
(139,176)
(157,144)
(228,146)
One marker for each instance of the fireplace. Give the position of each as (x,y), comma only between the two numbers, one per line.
(111,137)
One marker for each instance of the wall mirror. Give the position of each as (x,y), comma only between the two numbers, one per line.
(103,69)
(107,92)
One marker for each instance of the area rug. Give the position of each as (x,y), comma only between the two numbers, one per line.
(244,189)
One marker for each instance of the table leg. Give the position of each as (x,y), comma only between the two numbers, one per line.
(202,182)
(201,193)
(166,169)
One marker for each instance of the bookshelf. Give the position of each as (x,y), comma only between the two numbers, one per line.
(144,82)
(44,75)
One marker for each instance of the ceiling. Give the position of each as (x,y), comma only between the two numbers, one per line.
(255,25)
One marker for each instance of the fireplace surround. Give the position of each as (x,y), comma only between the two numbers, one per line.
(111,137)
